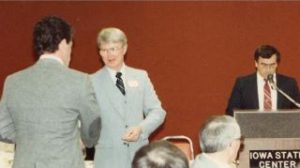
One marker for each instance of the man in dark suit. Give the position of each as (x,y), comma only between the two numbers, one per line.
(251,91)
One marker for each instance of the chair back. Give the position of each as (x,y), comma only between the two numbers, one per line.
(184,143)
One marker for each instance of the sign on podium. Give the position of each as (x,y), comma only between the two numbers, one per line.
(272,139)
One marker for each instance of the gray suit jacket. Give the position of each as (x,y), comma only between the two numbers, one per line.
(40,110)
(140,106)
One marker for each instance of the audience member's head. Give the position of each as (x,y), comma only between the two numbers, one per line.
(160,154)
(221,135)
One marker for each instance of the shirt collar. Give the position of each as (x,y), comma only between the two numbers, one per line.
(53,57)
(262,80)
(113,72)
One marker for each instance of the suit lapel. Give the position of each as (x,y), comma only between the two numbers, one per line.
(131,83)
(112,93)
(279,96)
(254,91)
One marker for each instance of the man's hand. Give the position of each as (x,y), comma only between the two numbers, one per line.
(132,134)
(83,149)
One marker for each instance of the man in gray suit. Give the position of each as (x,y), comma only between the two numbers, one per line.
(43,105)
(220,139)
(130,108)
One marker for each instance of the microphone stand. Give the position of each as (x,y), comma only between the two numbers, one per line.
(273,86)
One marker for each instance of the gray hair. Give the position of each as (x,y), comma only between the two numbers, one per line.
(160,154)
(218,132)
(111,35)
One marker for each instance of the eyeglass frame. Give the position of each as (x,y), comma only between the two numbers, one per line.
(110,50)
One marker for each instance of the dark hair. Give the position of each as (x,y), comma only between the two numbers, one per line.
(266,51)
(160,154)
(49,32)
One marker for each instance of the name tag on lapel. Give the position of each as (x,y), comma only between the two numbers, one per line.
(133,83)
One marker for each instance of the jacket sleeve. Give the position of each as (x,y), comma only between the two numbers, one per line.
(234,101)
(89,115)
(153,111)
(7,129)
(294,92)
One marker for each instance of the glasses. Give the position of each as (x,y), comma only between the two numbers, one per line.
(110,50)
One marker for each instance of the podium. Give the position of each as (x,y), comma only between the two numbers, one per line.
(271,139)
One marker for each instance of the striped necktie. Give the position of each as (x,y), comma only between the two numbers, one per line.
(120,83)
(267,97)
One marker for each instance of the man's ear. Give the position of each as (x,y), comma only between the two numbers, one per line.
(231,144)
(125,47)
(256,63)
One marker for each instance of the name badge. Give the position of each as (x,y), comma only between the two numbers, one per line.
(133,83)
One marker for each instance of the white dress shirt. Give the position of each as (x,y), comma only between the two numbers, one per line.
(260,89)
(113,73)
(52,56)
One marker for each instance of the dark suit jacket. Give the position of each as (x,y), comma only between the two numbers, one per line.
(245,95)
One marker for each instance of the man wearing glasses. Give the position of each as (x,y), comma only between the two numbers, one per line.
(129,106)
(220,140)
(254,91)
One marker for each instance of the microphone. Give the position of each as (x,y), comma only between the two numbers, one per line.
(274,86)
(270,78)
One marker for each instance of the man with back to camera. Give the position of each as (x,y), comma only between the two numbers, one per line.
(42,104)
(220,140)
(255,92)
(130,108)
